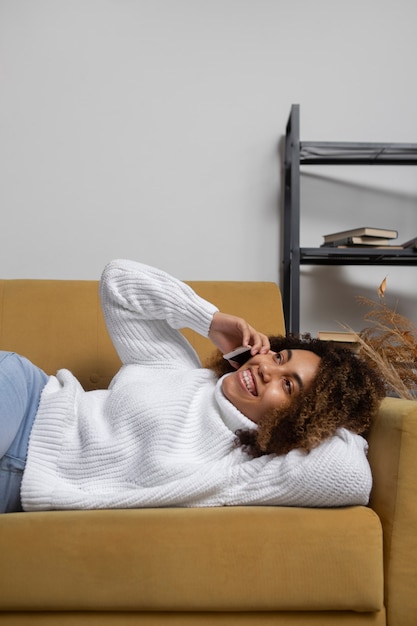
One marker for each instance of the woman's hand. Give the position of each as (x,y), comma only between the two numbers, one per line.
(228,332)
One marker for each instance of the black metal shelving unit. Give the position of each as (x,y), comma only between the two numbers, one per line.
(298,153)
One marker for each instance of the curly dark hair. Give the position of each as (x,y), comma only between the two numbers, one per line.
(345,393)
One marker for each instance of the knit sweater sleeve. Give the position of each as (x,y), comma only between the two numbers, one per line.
(145,307)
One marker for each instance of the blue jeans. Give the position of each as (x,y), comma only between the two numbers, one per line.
(21,384)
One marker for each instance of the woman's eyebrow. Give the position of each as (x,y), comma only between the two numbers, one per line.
(295,375)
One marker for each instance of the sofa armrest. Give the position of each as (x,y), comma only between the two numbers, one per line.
(393,459)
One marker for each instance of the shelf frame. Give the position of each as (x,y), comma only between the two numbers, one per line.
(298,153)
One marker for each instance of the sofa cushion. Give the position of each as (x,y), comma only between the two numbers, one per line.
(227,559)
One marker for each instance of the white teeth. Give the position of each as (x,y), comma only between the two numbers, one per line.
(248,380)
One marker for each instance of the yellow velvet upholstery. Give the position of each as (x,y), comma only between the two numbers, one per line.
(237,565)
(393,458)
(59,323)
(209,560)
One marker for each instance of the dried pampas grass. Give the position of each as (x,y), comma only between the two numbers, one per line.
(390,343)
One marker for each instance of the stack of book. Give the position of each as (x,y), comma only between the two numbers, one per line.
(367,237)
(364,236)
(344,338)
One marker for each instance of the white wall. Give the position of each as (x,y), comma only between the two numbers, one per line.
(150,129)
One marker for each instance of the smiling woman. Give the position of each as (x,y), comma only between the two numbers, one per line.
(165,431)
(301,393)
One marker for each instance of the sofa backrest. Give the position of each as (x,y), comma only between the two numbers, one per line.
(59,323)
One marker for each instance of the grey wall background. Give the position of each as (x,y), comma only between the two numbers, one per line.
(152,129)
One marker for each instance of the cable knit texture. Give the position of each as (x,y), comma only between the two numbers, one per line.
(163,434)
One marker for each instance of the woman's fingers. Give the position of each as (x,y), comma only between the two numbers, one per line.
(229,331)
(258,341)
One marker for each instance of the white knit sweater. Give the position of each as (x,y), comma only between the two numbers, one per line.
(163,434)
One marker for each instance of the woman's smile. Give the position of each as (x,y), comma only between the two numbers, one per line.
(248,381)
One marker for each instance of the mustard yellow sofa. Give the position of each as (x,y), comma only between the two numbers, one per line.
(244,565)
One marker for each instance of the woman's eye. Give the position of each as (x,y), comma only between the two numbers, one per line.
(288,387)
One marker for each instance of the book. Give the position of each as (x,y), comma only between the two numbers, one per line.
(364,231)
(385,246)
(344,339)
(372,242)
(362,240)
(337,335)
(411,243)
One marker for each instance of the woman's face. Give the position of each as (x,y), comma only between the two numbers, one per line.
(270,381)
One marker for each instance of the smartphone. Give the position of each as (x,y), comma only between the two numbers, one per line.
(240,355)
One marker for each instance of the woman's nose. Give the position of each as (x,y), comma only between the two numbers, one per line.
(267,368)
